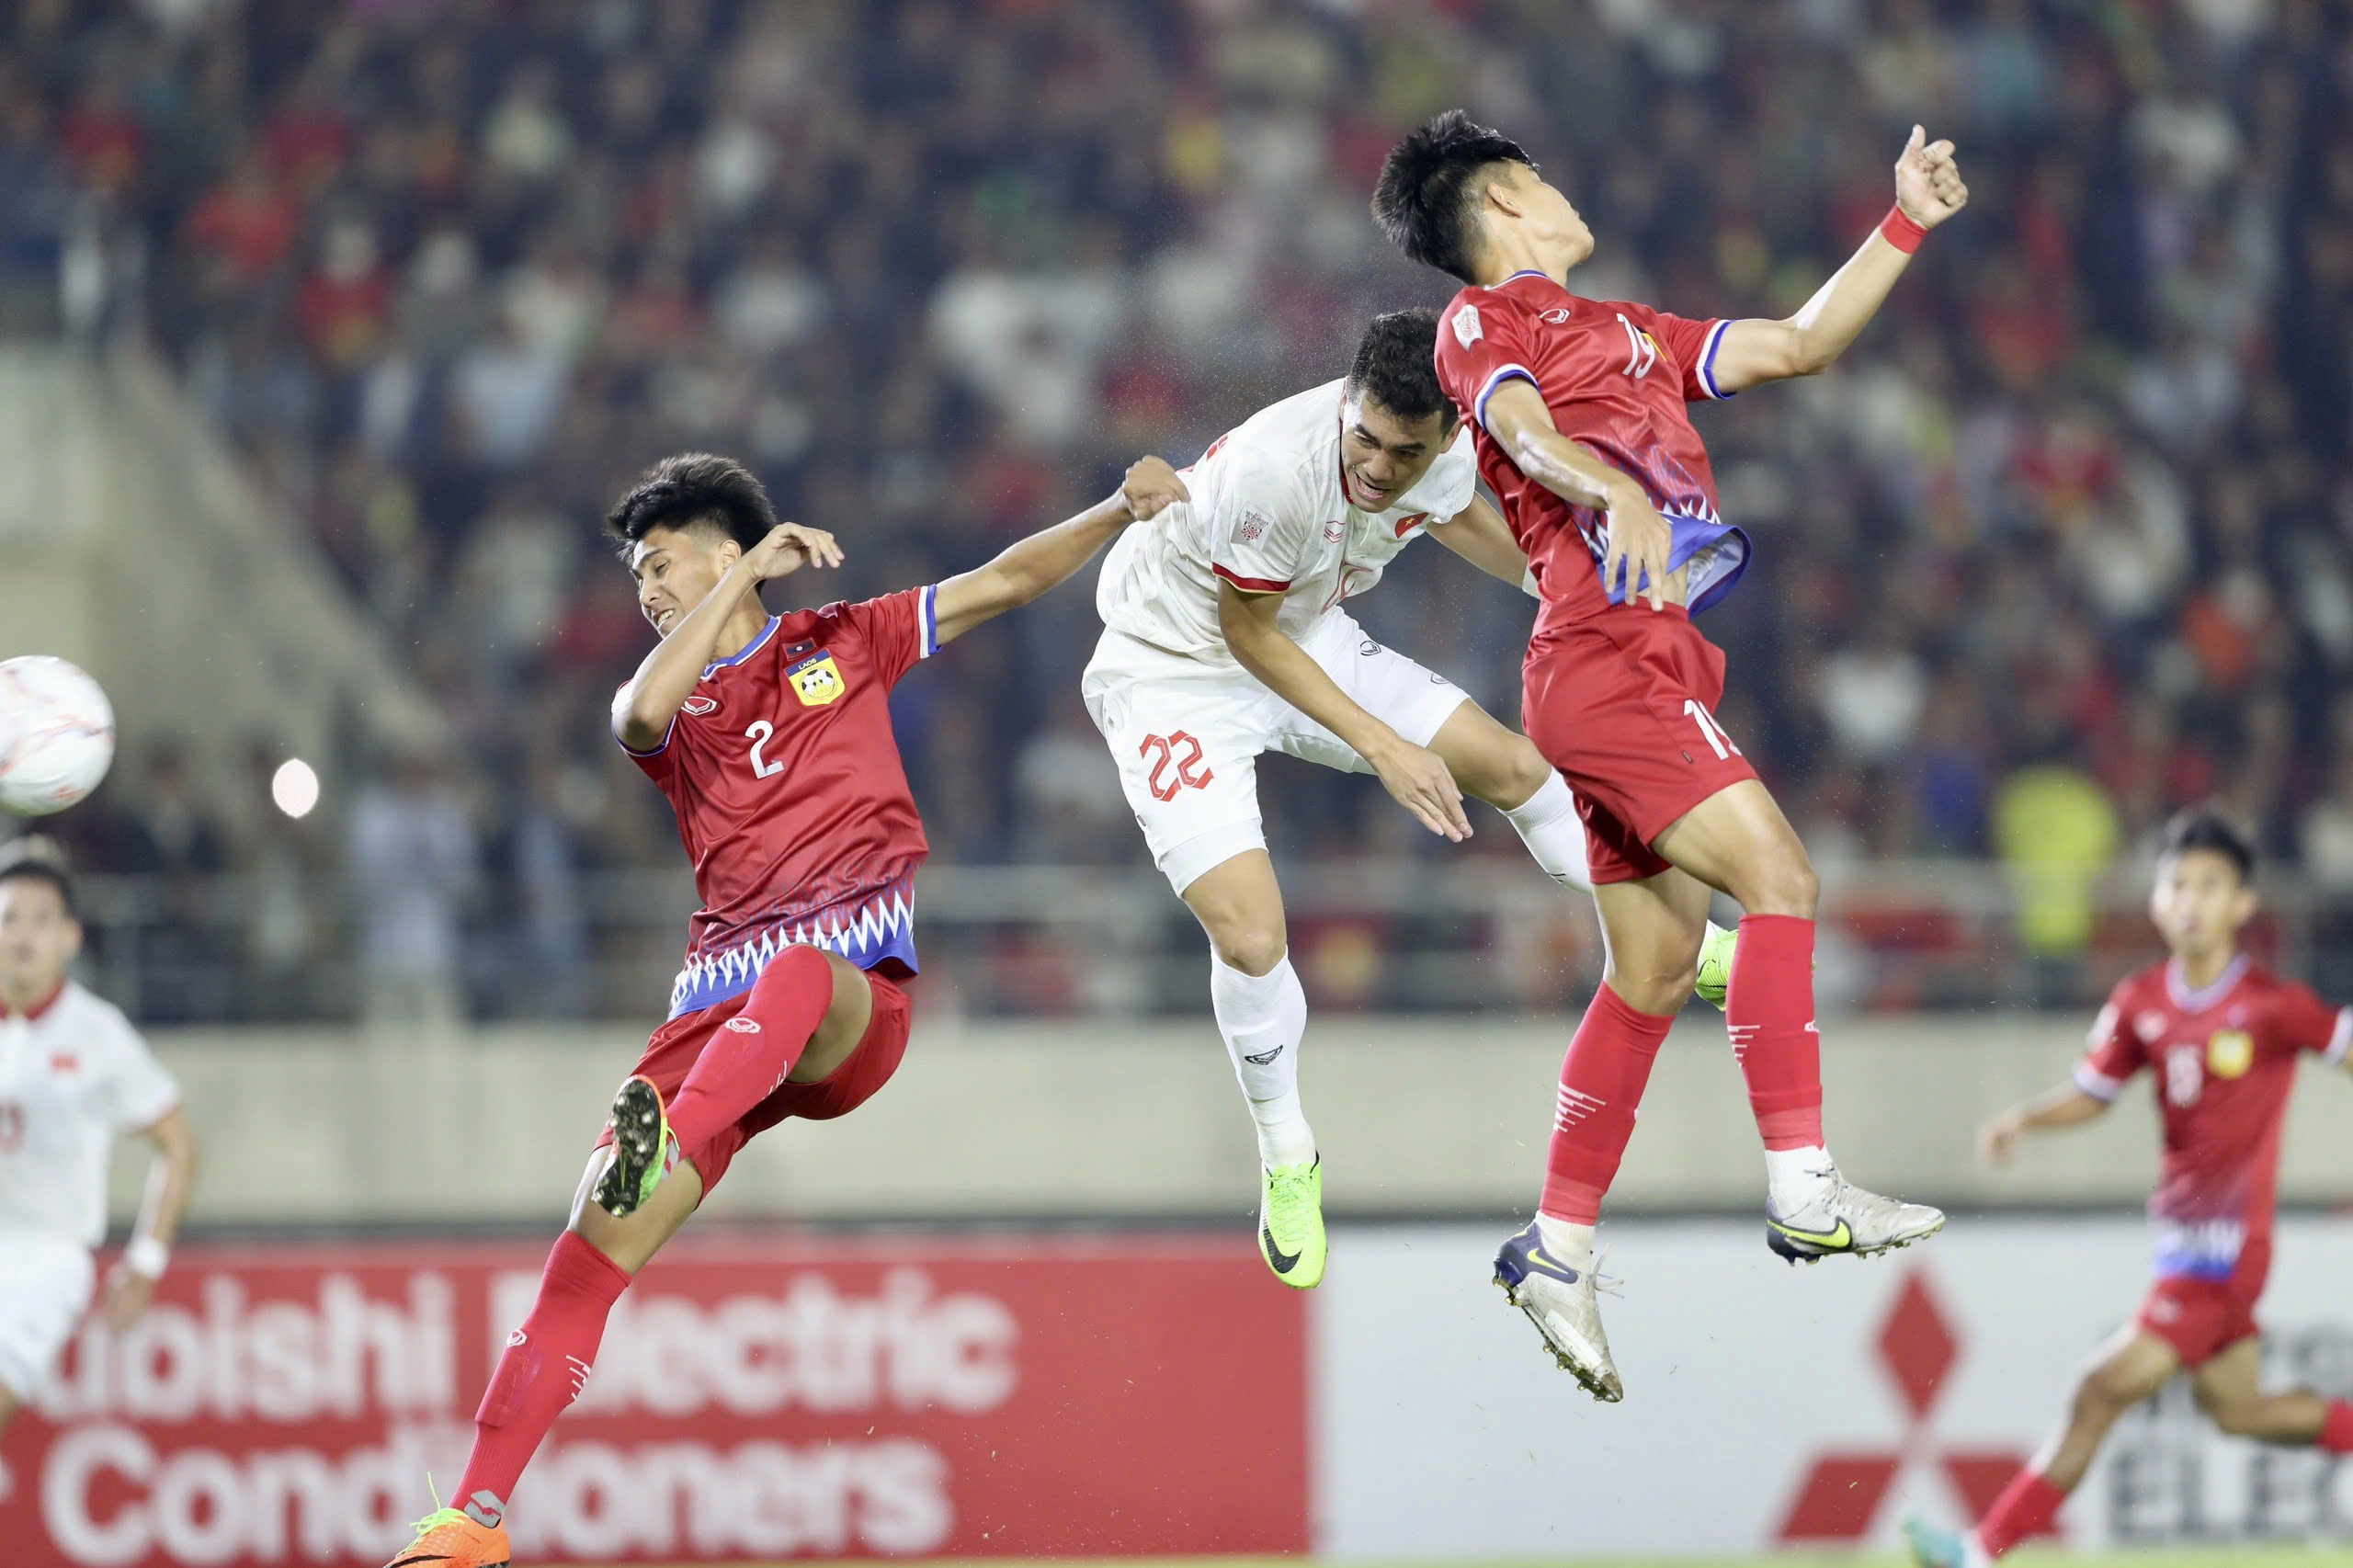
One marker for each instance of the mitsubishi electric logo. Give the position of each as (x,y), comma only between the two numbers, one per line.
(1917,1349)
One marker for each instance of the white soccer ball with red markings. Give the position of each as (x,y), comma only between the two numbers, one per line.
(56,734)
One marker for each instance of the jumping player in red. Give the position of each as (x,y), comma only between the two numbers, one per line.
(1578,411)
(770,734)
(2221,1037)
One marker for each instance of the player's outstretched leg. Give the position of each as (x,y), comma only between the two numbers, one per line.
(806,1002)
(1262,1015)
(2130,1367)
(1504,769)
(1548,1269)
(1738,840)
(547,1362)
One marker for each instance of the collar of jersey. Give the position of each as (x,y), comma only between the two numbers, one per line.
(746,651)
(1523,272)
(40,1009)
(2190,1001)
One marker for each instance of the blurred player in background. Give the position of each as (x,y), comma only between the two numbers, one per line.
(1223,638)
(770,736)
(1578,410)
(2221,1037)
(72,1075)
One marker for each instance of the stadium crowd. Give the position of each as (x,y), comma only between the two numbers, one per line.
(2065,542)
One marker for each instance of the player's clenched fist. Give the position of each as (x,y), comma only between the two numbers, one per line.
(1151,487)
(788,549)
(1928,181)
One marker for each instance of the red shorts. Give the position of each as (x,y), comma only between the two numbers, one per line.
(1623,705)
(671,1054)
(2202,1318)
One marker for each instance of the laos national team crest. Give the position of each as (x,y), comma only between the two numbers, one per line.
(816,680)
(2230,1053)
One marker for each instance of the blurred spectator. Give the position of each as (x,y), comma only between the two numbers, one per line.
(450,274)
(2055,830)
(412,861)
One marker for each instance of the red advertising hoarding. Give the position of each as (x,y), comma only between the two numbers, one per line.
(756,1398)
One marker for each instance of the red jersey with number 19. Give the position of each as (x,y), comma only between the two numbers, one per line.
(2224,1059)
(1616,376)
(791,796)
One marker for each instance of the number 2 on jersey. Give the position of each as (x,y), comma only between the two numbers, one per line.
(759,732)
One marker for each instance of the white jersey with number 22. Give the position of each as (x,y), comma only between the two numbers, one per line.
(1270,515)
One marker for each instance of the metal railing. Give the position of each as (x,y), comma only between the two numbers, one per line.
(1392,935)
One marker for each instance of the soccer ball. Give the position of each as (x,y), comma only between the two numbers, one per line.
(56,734)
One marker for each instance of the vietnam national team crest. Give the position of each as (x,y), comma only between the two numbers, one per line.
(2230,1053)
(816,680)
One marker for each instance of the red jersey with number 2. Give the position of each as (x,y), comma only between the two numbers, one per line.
(2224,1059)
(1616,376)
(791,796)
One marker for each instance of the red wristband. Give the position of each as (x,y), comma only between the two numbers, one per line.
(1901,231)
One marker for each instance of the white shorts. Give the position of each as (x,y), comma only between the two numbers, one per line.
(1187,735)
(45,1284)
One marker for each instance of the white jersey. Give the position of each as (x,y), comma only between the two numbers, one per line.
(73,1074)
(1269,514)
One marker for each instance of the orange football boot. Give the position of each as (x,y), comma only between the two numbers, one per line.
(451,1539)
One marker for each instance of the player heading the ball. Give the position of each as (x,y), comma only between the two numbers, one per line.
(1224,637)
(1577,408)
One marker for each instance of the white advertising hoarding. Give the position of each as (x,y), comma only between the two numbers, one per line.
(1767,1406)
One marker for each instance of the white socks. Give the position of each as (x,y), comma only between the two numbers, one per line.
(1571,1245)
(1798,1179)
(1547,823)
(1263,1017)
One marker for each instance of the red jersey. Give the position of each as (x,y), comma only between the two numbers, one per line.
(2224,1059)
(1616,376)
(791,800)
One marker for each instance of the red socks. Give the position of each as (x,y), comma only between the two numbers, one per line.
(543,1369)
(2336,1432)
(1769,1015)
(2025,1508)
(1601,1083)
(751,1053)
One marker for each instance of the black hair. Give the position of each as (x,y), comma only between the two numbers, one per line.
(1428,197)
(2206,827)
(689,489)
(34,858)
(1396,366)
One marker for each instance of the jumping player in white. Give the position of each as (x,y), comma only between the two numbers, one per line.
(73,1074)
(1224,637)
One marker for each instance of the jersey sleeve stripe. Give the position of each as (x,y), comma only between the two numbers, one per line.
(2097,1083)
(657,751)
(1708,361)
(1250,585)
(2340,1041)
(928,614)
(1496,377)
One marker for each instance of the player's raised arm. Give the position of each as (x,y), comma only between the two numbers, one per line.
(1045,559)
(1927,191)
(643,708)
